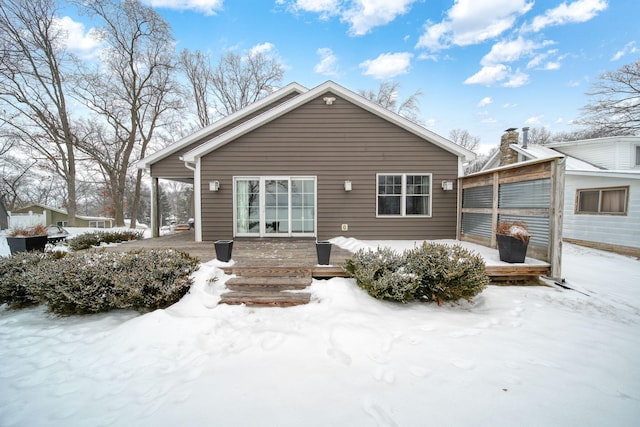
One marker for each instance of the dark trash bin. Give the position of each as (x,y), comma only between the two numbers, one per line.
(323,249)
(223,249)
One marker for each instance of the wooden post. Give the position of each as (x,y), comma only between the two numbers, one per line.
(155,211)
(494,208)
(555,217)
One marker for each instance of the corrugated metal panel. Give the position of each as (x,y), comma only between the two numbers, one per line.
(477,197)
(537,225)
(477,224)
(526,194)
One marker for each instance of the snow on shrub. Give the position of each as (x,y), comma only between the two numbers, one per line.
(431,272)
(93,282)
(95,238)
(19,270)
(381,274)
(447,273)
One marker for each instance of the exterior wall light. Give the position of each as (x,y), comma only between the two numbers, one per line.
(214,185)
(447,185)
(329,100)
(347,185)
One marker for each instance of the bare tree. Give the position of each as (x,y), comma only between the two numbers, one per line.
(539,136)
(387,96)
(238,81)
(130,91)
(463,138)
(615,108)
(33,91)
(586,133)
(197,68)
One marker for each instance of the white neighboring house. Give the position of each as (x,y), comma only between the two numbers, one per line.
(602,189)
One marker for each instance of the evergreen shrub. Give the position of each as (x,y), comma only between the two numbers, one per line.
(95,238)
(92,282)
(17,272)
(430,272)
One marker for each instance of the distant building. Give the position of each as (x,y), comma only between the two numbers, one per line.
(40,214)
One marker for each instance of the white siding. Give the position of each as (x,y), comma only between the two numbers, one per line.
(611,229)
(613,154)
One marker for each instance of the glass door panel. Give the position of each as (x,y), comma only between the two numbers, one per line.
(247,206)
(302,205)
(276,203)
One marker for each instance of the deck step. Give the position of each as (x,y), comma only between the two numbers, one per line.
(266,299)
(267,286)
(269,271)
(268,283)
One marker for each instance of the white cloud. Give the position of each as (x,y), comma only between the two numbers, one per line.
(578,11)
(208,7)
(361,15)
(559,120)
(553,65)
(517,79)
(328,64)
(489,75)
(535,120)
(317,6)
(387,65)
(263,48)
(364,15)
(485,101)
(77,39)
(508,105)
(492,74)
(489,120)
(629,48)
(510,51)
(471,22)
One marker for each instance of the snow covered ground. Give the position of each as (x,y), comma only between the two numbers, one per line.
(525,356)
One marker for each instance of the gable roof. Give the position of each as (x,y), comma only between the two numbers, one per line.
(289,89)
(329,86)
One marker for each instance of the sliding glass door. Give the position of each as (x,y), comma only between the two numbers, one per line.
(274,206)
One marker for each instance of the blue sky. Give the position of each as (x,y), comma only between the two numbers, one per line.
(483,66)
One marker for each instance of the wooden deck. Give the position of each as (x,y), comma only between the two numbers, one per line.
(275,272)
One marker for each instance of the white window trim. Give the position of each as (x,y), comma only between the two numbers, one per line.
(403,196)
(262,178)
(636,154)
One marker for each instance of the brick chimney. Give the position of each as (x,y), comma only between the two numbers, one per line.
(507,155)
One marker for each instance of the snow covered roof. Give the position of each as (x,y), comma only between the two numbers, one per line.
(540,152)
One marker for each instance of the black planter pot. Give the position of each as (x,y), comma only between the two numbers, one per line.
(223,249)
(323,249)
(27,244)
(511,249)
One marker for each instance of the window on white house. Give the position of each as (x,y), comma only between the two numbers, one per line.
(602,201)
(96,224)
(404,195)
(637,155)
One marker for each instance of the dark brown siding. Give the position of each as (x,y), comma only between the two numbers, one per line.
(335,143)
(173,167)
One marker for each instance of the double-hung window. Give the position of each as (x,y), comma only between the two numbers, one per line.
(612,201)
(637,155)
(403,195)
